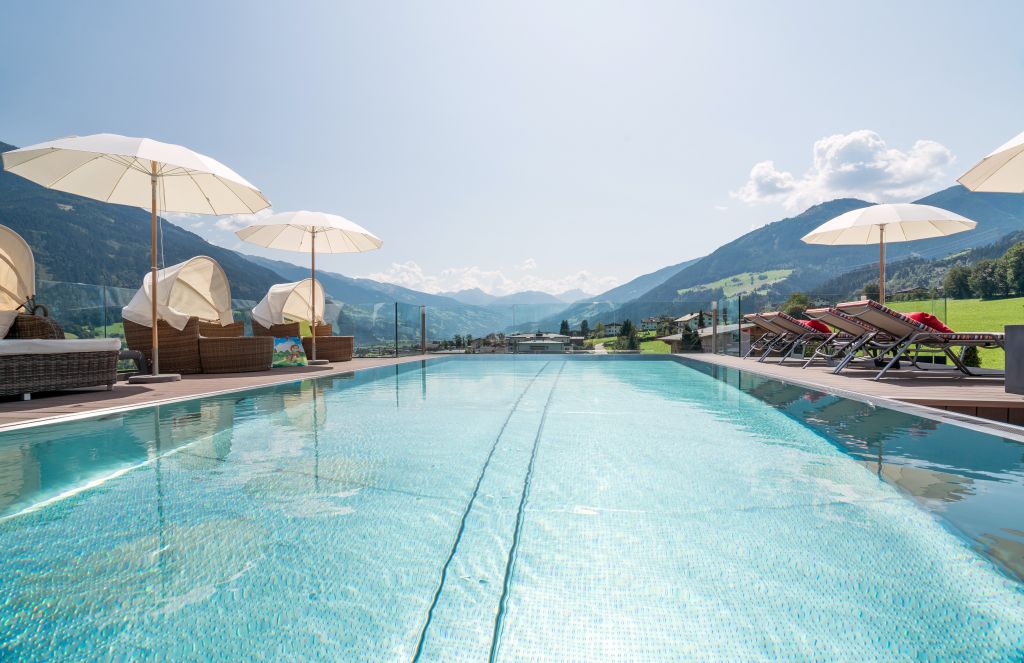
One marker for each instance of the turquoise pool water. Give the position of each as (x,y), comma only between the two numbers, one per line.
(513,509)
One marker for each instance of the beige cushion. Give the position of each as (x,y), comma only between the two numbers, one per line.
(35,346)
(6,320)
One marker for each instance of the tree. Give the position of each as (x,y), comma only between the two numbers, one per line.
(632,338)
(564,329)
(584,328)
(599,330)
(956,283)
(971,358)
(797,303)
(985,278)
(458,340)
(872,291)
(627,328)
(1013,266)
(690,341)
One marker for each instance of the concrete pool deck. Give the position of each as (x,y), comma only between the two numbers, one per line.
(15,413)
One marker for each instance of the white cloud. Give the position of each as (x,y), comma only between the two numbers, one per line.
(721,208)
(859,164)
(527,264)
(411,275)
(233,222)
(228,223)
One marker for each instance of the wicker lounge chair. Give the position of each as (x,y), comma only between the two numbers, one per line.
(909,334)
(217,349)
(331,348)
(35,357)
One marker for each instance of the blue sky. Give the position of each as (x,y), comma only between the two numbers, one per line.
(544,145)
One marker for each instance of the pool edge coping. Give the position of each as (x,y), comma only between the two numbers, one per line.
(979,424)
(118,409)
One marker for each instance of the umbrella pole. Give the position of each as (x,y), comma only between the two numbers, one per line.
(152,284)
(312,293)
(155,375)
(312,301)
(881,264)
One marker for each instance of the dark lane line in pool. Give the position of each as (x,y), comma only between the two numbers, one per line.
(465,514)
(499,619)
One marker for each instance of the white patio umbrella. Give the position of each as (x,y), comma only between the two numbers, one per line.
(893,222)
(312,232)
(1002,170)
(143,173)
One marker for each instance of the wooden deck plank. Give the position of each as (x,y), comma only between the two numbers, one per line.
(940,388)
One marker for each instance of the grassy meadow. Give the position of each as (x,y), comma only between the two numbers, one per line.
(967,315)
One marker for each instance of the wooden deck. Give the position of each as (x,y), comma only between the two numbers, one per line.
(15,412)
(940,388)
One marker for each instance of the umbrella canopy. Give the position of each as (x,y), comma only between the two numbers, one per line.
(312,232)
(893,222)
(289,302)
(195,288)
(17,270)
(120,169)
(140,172)
(1002,170)
(298,231)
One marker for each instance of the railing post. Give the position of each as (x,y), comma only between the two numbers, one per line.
(396,329)
(103,289)
(423,329)
(714,327)
(739,325)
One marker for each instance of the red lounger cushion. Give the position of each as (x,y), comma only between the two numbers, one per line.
(929,320)
(816,325)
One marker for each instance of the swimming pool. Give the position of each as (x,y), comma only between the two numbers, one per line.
(512,508)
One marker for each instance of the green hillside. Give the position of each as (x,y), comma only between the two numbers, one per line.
(743,283)
(910,273)
(778,245)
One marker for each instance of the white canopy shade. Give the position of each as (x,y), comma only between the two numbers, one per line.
(195,288)
(1001,170)
(119,169)
(17,270)
(903,222)
(289,302)
(294,231)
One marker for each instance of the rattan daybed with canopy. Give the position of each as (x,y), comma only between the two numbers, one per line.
(34,355)
(286,305)
(197,331)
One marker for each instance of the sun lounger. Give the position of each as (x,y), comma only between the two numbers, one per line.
(908,334)
(799,334)
(35,357)
(850,337)
(775,338)
(769,335)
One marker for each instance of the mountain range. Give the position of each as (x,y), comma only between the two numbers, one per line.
(80,240)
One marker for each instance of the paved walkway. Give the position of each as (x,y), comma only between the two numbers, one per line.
(14,412)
